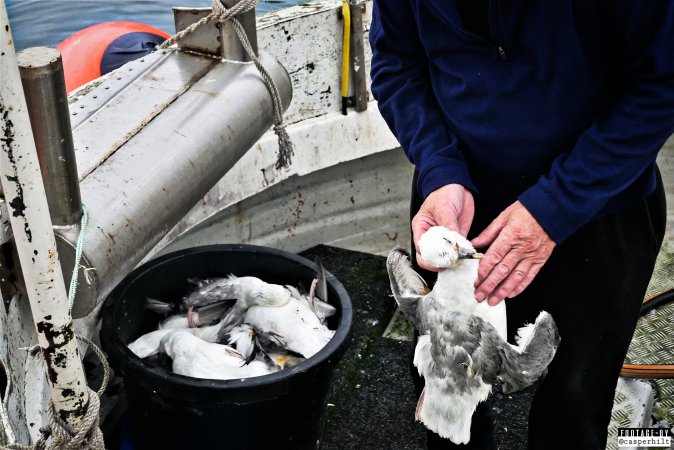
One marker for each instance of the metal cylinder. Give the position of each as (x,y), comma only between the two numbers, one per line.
(43,82)
(147,185)
(231,44)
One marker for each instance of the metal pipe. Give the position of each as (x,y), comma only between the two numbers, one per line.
(232,49)
(145,185)
(45,89)
(34,238)
(358,55)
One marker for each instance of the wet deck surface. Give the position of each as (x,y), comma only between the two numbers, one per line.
(373,393)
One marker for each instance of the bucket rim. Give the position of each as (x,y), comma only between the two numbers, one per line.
(333,349)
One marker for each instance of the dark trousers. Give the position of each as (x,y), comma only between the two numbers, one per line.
(593,286)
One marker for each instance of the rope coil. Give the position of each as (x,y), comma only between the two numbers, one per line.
(56,435)
(223,14)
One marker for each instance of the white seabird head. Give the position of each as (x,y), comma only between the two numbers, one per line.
(441,247)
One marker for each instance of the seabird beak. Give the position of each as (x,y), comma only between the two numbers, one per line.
(475,255)
(465,253)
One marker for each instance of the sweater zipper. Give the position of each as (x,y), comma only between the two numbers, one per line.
(499,32)
(492,41)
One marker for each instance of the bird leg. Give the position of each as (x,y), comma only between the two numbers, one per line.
(420,404)
(312,294)
(190,317)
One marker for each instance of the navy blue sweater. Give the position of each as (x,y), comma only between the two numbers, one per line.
(563,107)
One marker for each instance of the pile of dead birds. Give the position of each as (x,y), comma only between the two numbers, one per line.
(238,327)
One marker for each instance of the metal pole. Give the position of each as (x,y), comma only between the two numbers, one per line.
(45,89)
(358,55)
(36,246)
(231,45)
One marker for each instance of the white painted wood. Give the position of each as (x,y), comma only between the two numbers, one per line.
(307,39)
(34,239)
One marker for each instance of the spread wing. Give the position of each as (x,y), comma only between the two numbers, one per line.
(407,286)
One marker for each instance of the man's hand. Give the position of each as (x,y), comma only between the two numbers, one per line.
(451,206)
(519,248)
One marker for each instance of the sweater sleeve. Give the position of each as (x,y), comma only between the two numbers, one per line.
(622,143)
(402,86)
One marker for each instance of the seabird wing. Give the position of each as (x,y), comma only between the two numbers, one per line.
(159,307)
(217,290)
(321,282)
(522,366)
(233,318)
(407,286)
(208,314)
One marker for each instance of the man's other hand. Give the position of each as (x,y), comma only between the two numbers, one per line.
(451,206)
(519,247)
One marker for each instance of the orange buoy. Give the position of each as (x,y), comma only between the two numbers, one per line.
(101,48)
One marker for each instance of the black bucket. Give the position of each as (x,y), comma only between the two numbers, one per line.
(284,410)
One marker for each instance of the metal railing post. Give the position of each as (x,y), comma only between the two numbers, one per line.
(44,86)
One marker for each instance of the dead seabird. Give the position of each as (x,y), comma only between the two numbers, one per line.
(251,343)
(462,349)
(194,357)
(295,323)
(150,343)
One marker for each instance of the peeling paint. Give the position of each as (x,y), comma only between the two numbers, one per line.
(57,338)
(18,205)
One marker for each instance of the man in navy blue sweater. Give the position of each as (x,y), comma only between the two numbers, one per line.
(534,126)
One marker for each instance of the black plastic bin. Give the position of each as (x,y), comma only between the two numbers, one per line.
(285,410)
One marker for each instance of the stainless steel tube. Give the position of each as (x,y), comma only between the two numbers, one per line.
(44,86)
(143,188)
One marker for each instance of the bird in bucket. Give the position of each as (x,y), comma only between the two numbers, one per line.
(194,357)
(271,308)
(251,342)
(265,322)
(195,321)
(296,323)
(462,348)
(150,343)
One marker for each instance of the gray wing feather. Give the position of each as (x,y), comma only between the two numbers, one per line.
(407,286)
(521,370)
(495,358)
(217,290)
(233,318)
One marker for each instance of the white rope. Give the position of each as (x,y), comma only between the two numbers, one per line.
(56,435)
(223,14)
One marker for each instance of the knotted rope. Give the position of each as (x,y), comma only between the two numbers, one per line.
(223,14)
(56,435)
